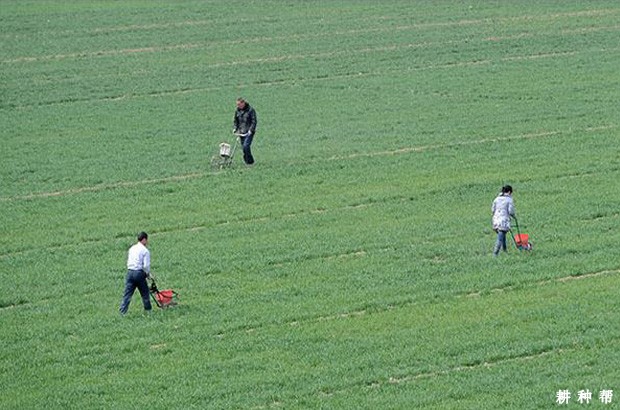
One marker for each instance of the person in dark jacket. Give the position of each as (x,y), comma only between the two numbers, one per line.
(244,125)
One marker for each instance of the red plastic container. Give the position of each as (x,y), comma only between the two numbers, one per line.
(165,297)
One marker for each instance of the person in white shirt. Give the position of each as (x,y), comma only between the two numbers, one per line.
(503,208)
(138,269)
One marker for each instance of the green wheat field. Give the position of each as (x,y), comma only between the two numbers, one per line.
(351,267)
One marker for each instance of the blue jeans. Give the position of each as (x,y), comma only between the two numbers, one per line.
(246,142)
(135,279)
(500,243)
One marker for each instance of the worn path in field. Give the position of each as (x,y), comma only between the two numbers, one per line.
(414,376)
(329,54)
(405,150)
(299,37)
(192,46)
(326,55)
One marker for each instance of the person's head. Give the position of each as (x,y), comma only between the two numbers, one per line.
(507,190)
(143,238)
(241,103)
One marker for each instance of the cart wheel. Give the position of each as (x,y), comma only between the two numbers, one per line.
(217,163)
(227,162)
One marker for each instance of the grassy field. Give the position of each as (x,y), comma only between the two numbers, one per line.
(351,267)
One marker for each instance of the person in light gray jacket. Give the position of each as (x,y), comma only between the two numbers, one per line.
(503,208)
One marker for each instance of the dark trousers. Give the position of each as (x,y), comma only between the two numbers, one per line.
(246,142)
(500,243)
(135,279)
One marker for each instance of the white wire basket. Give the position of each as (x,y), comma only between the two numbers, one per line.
(225,150)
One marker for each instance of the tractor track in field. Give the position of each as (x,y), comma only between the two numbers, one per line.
(287,57)
(399,379)
(564,279)
(300,80)
(205,226)
(374,309)
(318,55)
(474,365)
(105,187)
(413,377)
(219,223)
(302,37)
(472,294)
(399,151)
(338,17)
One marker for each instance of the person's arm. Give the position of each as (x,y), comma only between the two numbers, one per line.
(146,265)
(235,123)
(253,121)
(511,209)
